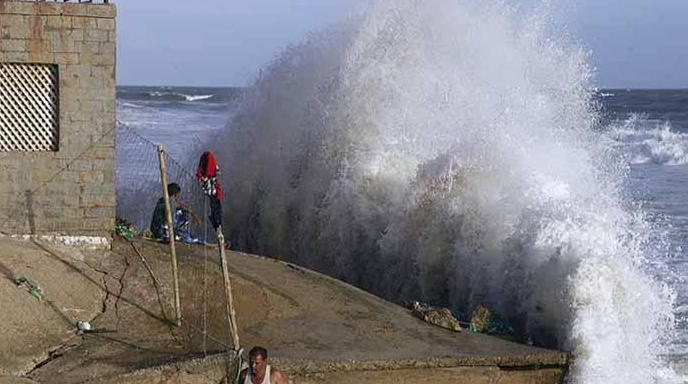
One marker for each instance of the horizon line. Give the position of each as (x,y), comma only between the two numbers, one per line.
(617,88)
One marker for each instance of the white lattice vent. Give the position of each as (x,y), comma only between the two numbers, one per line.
(28,107)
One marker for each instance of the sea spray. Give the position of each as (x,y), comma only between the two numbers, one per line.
(446,152)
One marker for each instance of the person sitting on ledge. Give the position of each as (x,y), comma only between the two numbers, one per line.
(259,371)
(180,215)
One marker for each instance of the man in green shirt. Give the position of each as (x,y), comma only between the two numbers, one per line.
(158,224)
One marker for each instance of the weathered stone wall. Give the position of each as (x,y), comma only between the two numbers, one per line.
(70,191)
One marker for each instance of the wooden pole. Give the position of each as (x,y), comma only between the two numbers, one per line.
(170,232)
(231,314)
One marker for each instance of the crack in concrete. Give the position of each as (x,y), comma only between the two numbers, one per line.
(58,256)
(107,289)
(121,289)
(54,354)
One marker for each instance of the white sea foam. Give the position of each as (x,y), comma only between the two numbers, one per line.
(177,95)
(197,97)
(125,104)
(445,152)
(649,141)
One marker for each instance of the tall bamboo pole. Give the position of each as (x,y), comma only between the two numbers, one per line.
(231,314)
(170,232)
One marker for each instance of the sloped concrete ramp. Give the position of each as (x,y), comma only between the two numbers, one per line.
(317,329)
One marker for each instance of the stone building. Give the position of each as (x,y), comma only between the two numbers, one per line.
(57,118)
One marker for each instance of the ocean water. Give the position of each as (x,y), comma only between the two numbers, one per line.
(651,129)
(460,155)
(177,117)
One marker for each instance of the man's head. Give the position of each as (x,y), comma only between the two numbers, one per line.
(258,360)
(173,189)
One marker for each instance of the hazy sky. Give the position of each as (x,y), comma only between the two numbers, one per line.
(634,43)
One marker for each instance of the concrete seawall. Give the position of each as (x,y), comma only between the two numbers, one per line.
(317,329)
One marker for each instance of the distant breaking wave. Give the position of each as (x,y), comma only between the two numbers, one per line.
(446,152)
(157,95)
(145,95)
(651,142)
(178,96)
(124,104)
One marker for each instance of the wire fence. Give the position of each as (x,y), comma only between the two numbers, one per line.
(139,189)
(134,327)
(137,325)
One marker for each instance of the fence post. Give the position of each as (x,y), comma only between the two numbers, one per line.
(170,232)
(231,314)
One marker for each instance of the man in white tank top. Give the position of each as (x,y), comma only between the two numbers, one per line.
(259,372)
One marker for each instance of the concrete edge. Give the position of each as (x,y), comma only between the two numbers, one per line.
(522,362)
(79,242)
(304,367)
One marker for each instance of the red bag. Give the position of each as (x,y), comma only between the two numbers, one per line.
(207,173)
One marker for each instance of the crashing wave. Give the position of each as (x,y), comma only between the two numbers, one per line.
(651,142)
(446,152)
